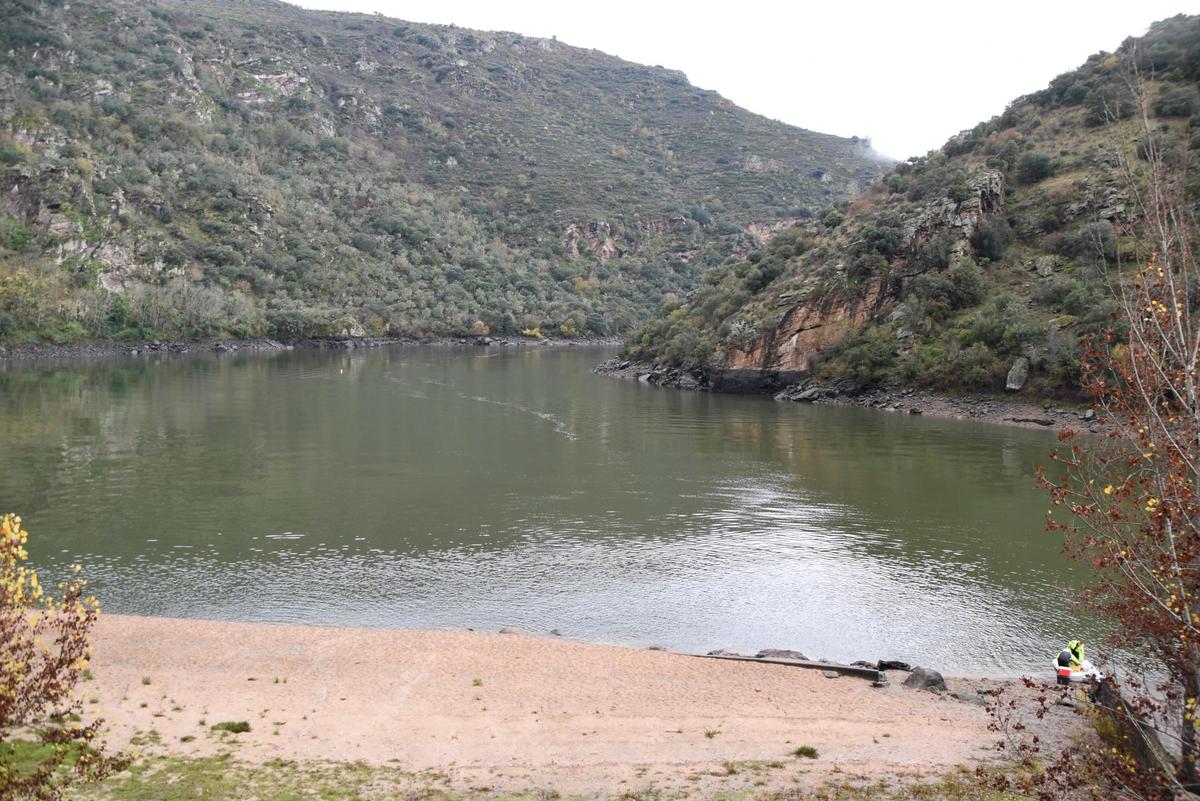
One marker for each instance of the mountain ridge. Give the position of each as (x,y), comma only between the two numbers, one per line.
(212,168)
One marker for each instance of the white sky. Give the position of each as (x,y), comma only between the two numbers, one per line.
(907,74)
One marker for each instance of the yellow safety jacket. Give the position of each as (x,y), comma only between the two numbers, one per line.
(1076,649)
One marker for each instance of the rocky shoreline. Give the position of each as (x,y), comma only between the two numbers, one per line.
(1036,414)
(95,349)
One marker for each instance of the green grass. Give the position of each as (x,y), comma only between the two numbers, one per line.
(805,751)
(175,778)
(218,777)
(21,757)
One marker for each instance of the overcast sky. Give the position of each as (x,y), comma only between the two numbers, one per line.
(906,74)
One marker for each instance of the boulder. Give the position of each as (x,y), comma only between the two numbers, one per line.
(893,664)
(780,653)
(831,674)
(970,698)
(1044,266)
(926,679)
(1018,375)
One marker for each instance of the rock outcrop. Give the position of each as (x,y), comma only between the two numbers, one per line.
(825,316)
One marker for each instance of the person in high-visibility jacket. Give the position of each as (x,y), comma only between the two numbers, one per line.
(1069,661)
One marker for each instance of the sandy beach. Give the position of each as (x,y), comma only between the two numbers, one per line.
(514,711)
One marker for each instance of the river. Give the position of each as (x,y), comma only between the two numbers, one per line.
(428,487)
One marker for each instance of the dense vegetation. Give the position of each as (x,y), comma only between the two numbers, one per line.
(211,167)
(993,248)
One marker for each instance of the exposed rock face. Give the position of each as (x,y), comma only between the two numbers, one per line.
(959,219)
(763,231)
(817,323)
(821,319)
(1044,266)
(595,238)
(603,241)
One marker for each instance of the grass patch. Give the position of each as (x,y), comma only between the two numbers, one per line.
(22,756)
(235,726)
(805,752)
(180,778)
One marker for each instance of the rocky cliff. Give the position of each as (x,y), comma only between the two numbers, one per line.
(958,266)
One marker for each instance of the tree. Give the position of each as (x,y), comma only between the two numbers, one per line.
(1133,495)
(44,648)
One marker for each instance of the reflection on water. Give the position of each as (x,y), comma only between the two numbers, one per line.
(429,487)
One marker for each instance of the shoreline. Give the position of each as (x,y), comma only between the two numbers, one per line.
(1039,414)
(34,353)
(513,711)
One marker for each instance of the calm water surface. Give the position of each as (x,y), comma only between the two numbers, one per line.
(427,487)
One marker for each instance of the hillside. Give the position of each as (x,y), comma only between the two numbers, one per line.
(209,167)
(956,264)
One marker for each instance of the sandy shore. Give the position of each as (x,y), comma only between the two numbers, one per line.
(513,711)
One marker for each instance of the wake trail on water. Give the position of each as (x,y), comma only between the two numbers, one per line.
(560,426)
(410,393)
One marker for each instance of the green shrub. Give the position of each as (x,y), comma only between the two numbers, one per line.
(934,254)
(1108,102)
(1004,325)
(10,154)
(868,357)
(233,726)
(992,238)
(1033,167)
(968,285)
(977,367)
(14,235)
(1095,241)
(1176,101)
(689,348)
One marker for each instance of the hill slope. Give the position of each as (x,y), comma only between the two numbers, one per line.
(199,166)
(957,264)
